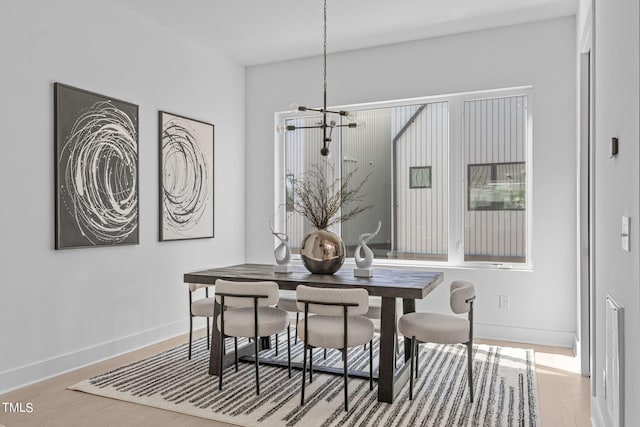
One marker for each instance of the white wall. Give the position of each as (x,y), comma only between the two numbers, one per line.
(63,309)
(617,113)
(542,54)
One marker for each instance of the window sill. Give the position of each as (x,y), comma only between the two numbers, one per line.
(434,265)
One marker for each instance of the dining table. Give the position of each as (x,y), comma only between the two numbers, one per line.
(409,284)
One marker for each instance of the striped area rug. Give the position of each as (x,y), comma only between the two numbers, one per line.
(504,384)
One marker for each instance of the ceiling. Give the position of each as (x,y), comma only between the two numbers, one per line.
(261,31)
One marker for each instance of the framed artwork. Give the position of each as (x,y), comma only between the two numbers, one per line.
(96,169)
(420,177)
(186,178)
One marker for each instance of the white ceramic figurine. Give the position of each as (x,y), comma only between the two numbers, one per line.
(363,263)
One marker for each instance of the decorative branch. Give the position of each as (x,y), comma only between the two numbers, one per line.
(324,202)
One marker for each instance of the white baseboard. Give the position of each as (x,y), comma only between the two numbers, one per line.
(38,371)
(35,372)
(524,335)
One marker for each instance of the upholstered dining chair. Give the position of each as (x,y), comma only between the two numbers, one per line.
(333,318)
(202,307)
(287,301)
(443,328)
(246,311)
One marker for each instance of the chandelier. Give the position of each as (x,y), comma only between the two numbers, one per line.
(327,126)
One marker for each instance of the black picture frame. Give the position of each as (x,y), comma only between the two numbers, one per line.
(419,177)
(96,169)
(186,180)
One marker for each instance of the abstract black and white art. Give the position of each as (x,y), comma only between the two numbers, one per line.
(186,178)
(96,169)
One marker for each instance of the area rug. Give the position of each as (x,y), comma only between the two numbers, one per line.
(504,384)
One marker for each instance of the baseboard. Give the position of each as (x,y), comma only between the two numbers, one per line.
(42,370)
(524,335)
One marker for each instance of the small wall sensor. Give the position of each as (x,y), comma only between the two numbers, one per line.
(613,147)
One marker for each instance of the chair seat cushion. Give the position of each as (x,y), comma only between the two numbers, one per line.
(239,322)
(434,327)
(327,331)
(203,307)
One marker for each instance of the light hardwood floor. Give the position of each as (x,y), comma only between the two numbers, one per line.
(563,393)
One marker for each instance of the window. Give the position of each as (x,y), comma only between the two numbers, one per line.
(496,186)
(443,173)
(289,193)
(495,154)
(420,177)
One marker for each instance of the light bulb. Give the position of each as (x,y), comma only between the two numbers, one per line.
(294,106)
(361,124)
(350,115)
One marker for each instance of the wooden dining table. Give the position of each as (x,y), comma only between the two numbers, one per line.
(389,284)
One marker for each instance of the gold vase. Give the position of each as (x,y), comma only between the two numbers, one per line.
(322,252)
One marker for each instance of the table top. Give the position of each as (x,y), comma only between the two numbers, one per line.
(385,282)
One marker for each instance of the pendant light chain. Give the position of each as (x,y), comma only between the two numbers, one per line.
(324,63)
(326,126)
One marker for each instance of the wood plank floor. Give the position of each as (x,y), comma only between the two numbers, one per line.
(564,395)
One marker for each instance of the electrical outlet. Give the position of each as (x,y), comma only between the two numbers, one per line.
(503,302)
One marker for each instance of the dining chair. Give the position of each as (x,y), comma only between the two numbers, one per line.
(287,301)
(246,311)
(443,328)
(202,307)
(333,318)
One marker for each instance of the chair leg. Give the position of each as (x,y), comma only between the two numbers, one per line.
(371,365)
(277,340)
(346,380)
(411,353)
(470,368)
(190,334)
(235,350)
(325,354)
(304,372)
(255,344)
(289,349)
(310,365)
(221,359)
(208,332)
(417,359)
(295,341)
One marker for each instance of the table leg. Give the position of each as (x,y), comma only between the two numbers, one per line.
(390,380)
(214,355)
(386,363)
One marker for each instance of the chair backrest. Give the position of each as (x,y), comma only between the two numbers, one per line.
(461,292)
(268,289)
(195,286)
(330,295)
